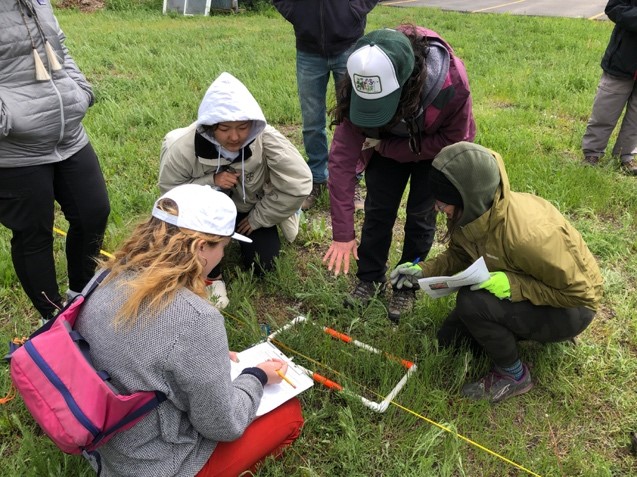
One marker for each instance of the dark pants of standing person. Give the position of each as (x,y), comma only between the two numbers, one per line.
(27,196)
(485,322)
(265,247)
(386,181)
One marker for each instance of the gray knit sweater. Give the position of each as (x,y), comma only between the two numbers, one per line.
(182,352)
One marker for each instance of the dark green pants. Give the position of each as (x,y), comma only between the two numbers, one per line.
(487,323)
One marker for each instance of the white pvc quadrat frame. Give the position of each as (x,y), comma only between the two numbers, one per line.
(374,406)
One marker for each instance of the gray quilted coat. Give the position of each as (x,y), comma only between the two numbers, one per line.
(40,121)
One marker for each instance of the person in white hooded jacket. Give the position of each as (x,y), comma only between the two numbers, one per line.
(231,148)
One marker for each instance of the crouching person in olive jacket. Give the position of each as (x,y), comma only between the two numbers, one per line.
(545,284)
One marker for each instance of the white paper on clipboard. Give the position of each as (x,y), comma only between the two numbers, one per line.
(273,394)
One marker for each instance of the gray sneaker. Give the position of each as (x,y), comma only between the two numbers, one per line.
(402,301)
(363,293)
(497,386)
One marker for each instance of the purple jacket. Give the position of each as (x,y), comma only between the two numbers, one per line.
(447,120)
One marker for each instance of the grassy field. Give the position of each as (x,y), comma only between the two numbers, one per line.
(533,82)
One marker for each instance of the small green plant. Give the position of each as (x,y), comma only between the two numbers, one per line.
(313,231)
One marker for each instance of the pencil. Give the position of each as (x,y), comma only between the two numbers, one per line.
(285,378)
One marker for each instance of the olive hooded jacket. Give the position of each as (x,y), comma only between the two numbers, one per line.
(542,254)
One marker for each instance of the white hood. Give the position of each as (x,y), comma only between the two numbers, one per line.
(227,99)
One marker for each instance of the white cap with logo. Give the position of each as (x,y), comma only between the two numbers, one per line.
(203,209)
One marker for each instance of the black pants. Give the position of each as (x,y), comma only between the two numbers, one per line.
(27,196)
(265,247)
(386,181)
(485,322)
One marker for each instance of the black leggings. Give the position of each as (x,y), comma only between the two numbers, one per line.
(386,182)
(27,196)
(265,247)
(487,323)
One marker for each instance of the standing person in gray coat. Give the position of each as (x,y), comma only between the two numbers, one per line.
(617,91)
(326,31)
(45,154)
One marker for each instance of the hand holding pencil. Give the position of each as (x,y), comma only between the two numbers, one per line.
(275,369)
(285,378)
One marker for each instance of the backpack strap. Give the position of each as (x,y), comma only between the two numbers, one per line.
(86,293)
(146,408)
(13,346)
(94,459)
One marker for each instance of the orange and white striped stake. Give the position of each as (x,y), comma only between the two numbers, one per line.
(348,339)
(375,406)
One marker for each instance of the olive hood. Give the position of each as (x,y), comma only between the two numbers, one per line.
(476,172)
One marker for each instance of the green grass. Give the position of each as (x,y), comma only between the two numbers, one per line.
(533,82)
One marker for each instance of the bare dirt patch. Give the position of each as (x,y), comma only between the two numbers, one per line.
(81,5)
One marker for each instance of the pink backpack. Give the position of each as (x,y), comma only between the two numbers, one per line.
(73,403)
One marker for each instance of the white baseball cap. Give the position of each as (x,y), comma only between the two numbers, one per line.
(203,209)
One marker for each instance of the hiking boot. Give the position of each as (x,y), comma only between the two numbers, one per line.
(310,200)
(363,294)
(497,386)
(359,197)
(630,167)
(590,160)
(218,294)
(402,301)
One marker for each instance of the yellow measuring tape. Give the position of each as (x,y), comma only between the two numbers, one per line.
(414,413)
(400,406)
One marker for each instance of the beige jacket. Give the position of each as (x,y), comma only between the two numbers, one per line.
(274,178)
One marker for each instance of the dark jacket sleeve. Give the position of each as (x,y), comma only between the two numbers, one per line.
(623,14)
(620,58)
(344,154)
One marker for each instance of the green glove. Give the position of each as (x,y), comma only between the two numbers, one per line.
(405,275)
(498,284)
